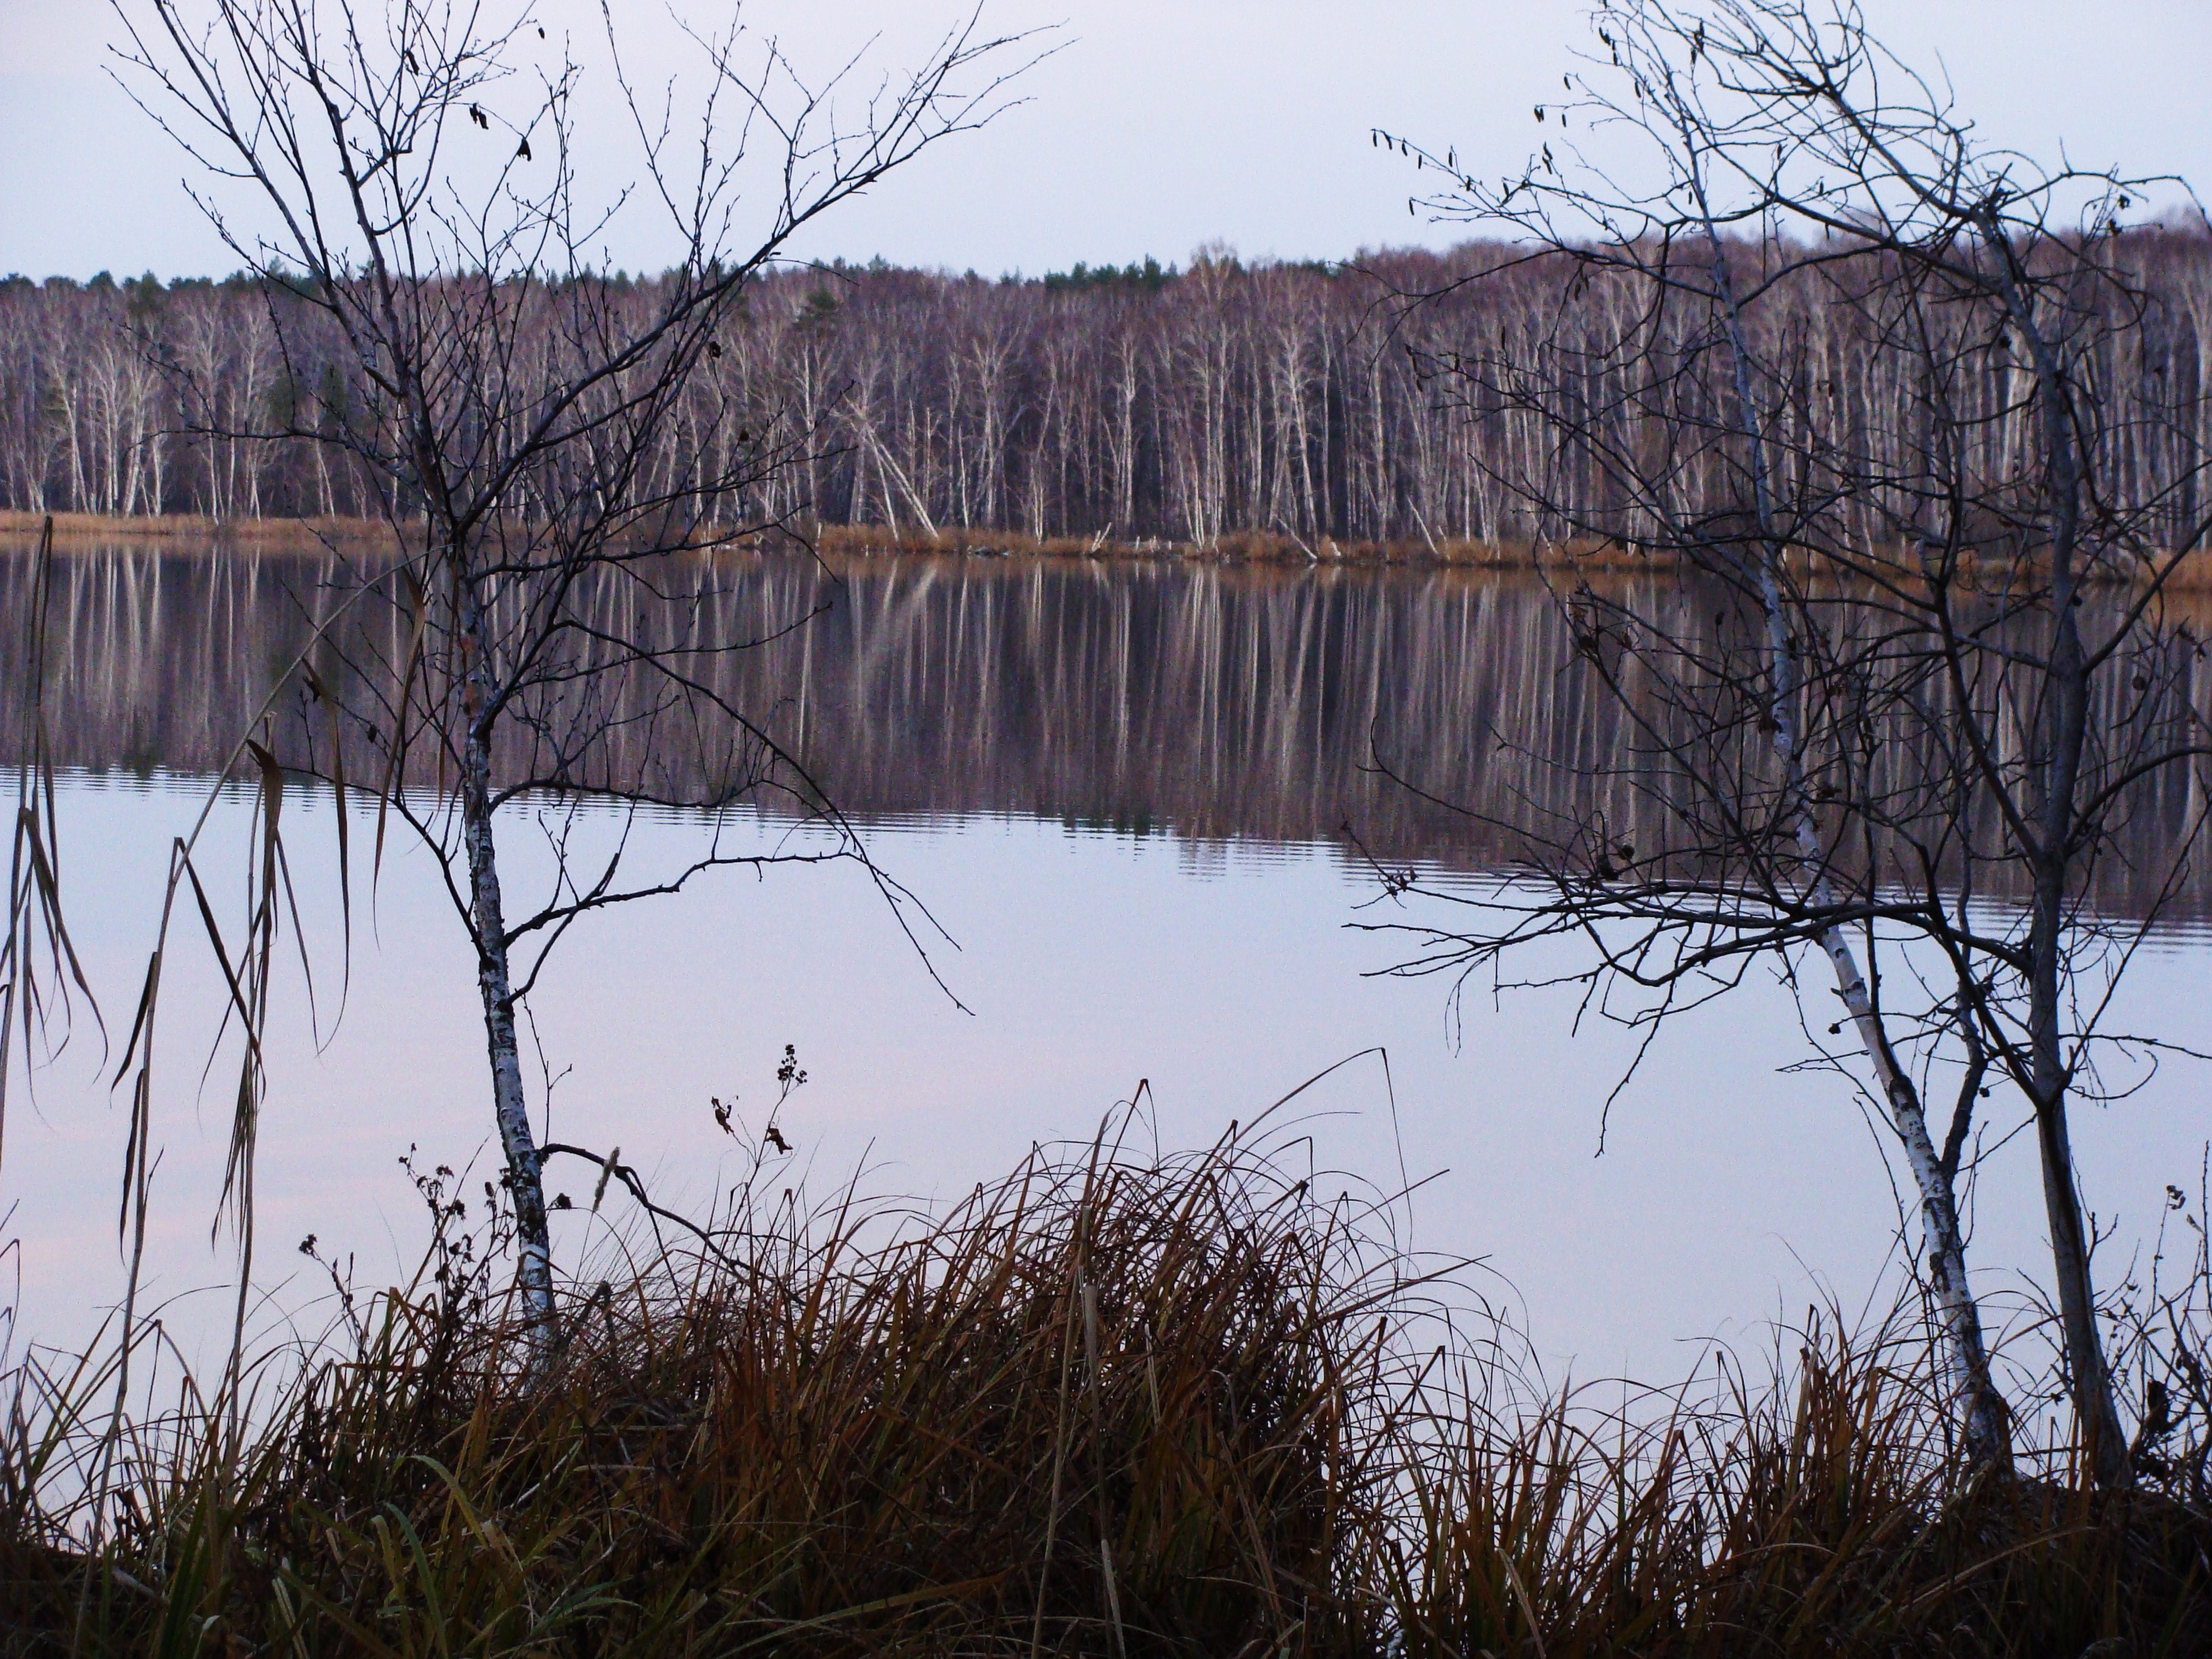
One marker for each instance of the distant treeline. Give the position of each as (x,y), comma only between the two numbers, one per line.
(1119,403)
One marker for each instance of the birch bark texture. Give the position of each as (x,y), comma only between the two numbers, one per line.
(1921,584)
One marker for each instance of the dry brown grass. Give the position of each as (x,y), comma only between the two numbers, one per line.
(1242,547)
(83,531)
(1110,1406)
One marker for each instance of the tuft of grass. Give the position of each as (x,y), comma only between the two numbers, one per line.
(1112,1405)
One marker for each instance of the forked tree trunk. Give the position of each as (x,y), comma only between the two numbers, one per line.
(1984,1418)
(1984,1423)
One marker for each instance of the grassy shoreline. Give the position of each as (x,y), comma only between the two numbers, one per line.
(1109,1406)
(80,530)
(84,531)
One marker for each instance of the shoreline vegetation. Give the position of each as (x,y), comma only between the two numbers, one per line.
(77,530)
(1929,430)
(1226,396)
(1111,1405)
(88,532)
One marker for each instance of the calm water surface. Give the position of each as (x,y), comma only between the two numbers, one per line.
(1123,791)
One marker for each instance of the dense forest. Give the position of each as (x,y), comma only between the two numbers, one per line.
(1307,402)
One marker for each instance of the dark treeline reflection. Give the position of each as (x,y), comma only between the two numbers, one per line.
(1218,702)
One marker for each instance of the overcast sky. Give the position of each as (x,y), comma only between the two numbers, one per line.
(1160,124)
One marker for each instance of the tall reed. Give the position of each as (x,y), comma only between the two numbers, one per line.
(1113,1404)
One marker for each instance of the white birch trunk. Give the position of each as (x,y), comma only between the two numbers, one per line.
(524,1178)
(1982,1409)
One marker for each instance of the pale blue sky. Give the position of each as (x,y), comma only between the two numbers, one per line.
(1159,126)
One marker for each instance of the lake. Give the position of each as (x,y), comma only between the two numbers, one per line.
(1140,800)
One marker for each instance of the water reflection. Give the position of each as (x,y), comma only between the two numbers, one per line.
(969,708)
(1226,703)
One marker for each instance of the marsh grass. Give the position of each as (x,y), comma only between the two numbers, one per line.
(1580,557)
(75,531)
(1113,1404)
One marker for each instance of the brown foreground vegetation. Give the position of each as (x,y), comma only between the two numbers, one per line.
(1111,1405)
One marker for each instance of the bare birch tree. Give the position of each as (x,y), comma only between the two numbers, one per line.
(540,630)
(1941,669)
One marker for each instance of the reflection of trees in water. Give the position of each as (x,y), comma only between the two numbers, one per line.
(1219,701)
